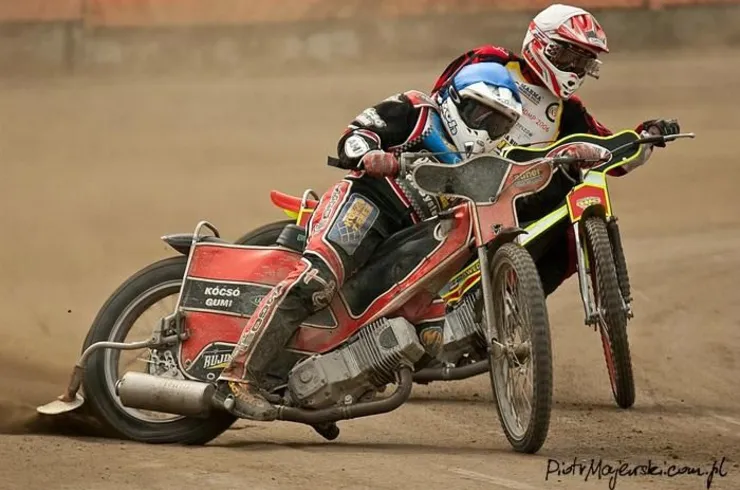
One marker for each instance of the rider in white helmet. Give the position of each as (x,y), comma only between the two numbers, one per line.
(356,215)
(560,50)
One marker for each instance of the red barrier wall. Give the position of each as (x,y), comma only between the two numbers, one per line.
(189,12)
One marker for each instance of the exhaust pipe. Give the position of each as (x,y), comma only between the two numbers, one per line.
(175,396)
(346,412)
(195,399)
(424,376)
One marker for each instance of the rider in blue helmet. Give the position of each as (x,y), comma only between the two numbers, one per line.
(355,215)
(480,106)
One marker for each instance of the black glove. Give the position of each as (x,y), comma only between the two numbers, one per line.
(661,127)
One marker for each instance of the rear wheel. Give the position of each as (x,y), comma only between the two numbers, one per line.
(265,235)
(612,316)
(121,320)
(521,359)
(118,320)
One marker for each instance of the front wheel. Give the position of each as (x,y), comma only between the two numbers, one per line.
(521,354)
(610,308)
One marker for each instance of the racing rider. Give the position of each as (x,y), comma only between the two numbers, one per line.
(560,49)
(354,216)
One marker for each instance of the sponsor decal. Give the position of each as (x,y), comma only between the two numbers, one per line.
(222,291)
(453,286)
(370,117)
(536,120)
(585,202)
(450,121)
(216,361)
(357,217)
(355,146)
(528,177)
(227,297)
(211,361)
(529,93)
(552,111)
(219,302)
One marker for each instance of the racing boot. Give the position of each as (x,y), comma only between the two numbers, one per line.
(245,400)
(307,289)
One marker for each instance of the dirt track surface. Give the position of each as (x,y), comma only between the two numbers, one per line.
(95,171)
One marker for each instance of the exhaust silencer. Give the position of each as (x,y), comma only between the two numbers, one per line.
(174,396)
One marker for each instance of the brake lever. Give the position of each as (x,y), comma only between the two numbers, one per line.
(672,137)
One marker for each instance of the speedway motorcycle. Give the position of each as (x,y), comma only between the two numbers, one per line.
(345,355)
(600,261)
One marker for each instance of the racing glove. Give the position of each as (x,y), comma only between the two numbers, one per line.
(585,152)
(378,164)
(662,127)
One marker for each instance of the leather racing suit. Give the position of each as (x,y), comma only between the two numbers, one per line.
(351,220)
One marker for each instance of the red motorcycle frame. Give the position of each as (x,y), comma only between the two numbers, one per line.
(412,297)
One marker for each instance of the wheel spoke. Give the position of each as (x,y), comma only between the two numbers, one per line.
(137,319)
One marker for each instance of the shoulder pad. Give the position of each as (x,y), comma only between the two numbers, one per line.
(420,99)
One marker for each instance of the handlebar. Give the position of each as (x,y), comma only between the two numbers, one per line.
(564,160)
(407,164)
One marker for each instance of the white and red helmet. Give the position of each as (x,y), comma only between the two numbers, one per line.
(562,46)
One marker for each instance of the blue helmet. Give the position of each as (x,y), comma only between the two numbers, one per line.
(481,105)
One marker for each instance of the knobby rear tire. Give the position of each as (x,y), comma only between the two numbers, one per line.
(608,295)
(532,298)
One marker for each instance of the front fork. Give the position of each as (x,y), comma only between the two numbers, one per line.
(585,287)
(487,288)
(583,263)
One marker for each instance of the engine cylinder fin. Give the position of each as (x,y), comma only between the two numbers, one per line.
(365,363)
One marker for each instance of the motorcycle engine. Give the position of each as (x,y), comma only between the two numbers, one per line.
(461,334)
(366,363)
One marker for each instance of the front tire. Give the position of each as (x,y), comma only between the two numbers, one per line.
(113,322)
(612,315)
(514,278)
